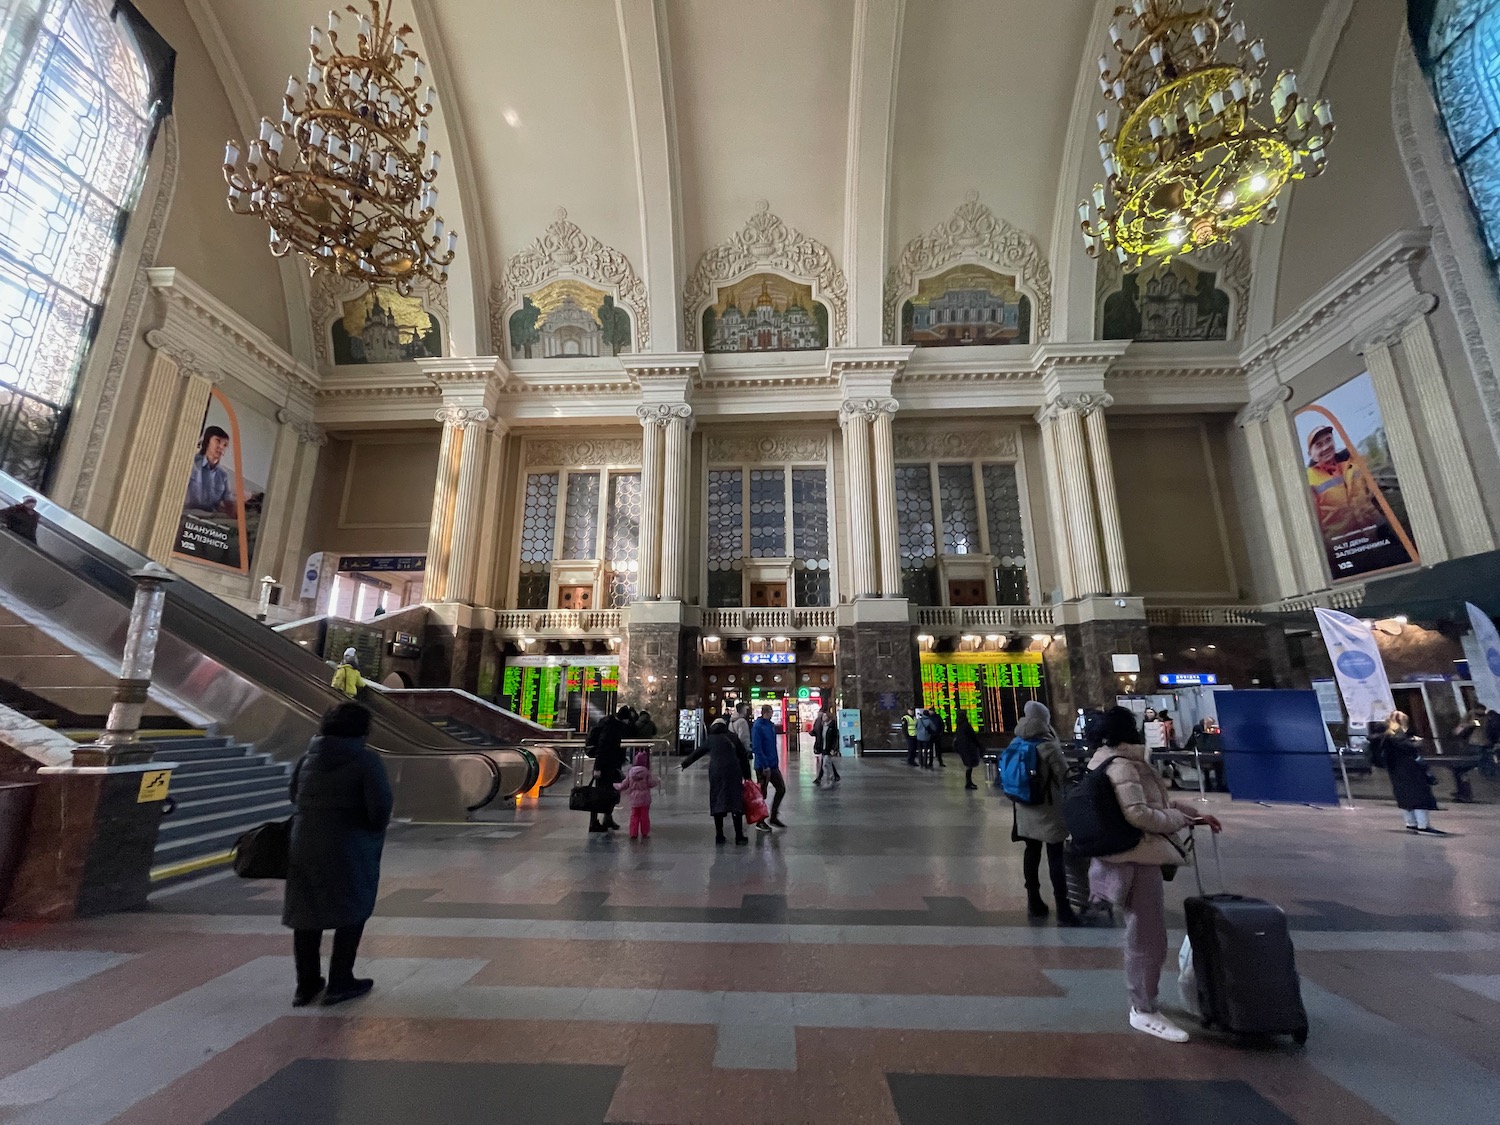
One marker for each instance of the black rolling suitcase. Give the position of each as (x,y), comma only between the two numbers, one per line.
(1245,965)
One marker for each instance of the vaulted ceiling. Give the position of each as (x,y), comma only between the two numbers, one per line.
(658,124)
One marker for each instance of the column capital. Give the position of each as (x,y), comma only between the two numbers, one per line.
(867,409)
(1077,367)
(475,382)
(188,361)
(1389,329)
(664,413)
(1082,403)
(859,365)
(462,417)
(1262,407)
(308,433)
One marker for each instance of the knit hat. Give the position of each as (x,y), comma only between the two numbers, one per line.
(1036,722)
(643,759)
(350,656)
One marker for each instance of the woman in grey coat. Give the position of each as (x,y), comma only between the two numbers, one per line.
(728,770)
(343,801)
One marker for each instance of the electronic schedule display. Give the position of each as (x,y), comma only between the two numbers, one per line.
(990,687)
(569,696)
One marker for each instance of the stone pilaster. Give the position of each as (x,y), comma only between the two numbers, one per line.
(140,476)
(1062,548)
(878,675)
(186,433)
(855,423)
(885,500)
(453,537)
(1291,476)
(675,491)
(1092,646)
(1253,421)
(1078,495)
(1104,492)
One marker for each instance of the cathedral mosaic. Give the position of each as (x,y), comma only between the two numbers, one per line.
(966,305)
(568,317)
(765,312)
(1169,303)
(382,326)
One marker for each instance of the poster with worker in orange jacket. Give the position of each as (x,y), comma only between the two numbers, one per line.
(1356,495)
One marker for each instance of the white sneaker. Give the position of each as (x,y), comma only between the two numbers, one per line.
(1154,1023)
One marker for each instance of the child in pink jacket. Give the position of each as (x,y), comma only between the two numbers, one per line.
(636,787)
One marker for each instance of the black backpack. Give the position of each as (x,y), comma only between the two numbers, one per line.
(1094,817)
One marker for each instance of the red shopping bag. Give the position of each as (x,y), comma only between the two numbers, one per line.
(755,803)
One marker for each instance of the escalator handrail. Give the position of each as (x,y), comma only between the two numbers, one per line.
(203,608)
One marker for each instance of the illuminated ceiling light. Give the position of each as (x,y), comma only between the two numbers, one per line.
(1186,161)
(345,178)
(829,640)
(756,640)
(710,640)
(780,640)
(1401,619)
(992,637)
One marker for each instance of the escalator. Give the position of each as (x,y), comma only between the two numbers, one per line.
(218,668)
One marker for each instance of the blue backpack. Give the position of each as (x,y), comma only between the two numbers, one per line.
(1017,775)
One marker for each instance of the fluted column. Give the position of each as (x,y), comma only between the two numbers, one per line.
(885,499)
(1472,526)
(1104,493)
(131,520)
(855,422)
(186,434)
(310,441)
(453,537)
(674,502)
(1291,472)
(1078,498)
(1425,528)
(648,578)
(1062,548)
(1252,420)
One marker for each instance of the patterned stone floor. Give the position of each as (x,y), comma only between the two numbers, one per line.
(871,964)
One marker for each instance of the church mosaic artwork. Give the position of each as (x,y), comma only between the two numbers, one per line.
(966,305)
(382,326)
(1171,303)
(568,317)
(765,312)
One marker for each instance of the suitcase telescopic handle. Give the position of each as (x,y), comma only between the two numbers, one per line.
(1213,838)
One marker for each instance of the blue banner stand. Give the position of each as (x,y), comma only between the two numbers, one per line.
(1276,747)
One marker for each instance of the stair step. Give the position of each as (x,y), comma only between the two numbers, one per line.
(193,740)
(175,752)
(250,768)
(206,843)
(177,828)
(275,783)
(195,807)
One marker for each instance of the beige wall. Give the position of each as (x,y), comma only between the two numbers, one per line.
(1180,520)
(373,492)
(225,254)
(1364,194)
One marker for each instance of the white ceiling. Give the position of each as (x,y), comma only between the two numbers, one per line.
(555,102)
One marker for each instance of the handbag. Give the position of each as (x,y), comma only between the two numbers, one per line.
(264,852)
(755,803)
(592,799)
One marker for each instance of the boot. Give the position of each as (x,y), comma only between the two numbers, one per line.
(1035,907)
(1066,916)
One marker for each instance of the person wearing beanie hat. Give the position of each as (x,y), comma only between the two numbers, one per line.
(347,678)
(1041,826)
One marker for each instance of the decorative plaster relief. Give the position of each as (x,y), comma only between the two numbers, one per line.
(563,253)
(973,234)
(551,452)
(766,244)
(955,445)
(780,450)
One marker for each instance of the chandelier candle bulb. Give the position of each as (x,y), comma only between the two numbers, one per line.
(1237,89)
(364,28)
(1157,54)
(1323,112)
(1114,35)
(231,154)
(1118,89)
(452,242)
(1200,34)
(333,20)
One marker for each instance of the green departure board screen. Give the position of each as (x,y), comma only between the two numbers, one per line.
(563,696)
(990,687)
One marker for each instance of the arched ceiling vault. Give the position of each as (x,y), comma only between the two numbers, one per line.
(659,124)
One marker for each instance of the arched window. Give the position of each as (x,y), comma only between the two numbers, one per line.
(80,116)
(1459,42)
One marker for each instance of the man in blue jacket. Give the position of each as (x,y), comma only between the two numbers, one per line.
(767,765)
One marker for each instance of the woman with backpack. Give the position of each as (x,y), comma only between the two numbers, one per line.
(1039,818)
(1132,879)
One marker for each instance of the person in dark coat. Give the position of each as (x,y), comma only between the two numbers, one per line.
(728,770)
(966,745)
(343,801)
(1401,754)
(609,757)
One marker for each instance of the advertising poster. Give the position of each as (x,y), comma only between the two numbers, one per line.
(1357,667)
(226,489)
(1361,516)
(1486,670)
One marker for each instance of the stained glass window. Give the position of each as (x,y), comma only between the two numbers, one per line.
(581,516)
(538,528)
(767,514)
(813,576)
(1002,513)
(1463,49)
(960,509)
(73,148)
(726,547)
(622,538)
(917,533)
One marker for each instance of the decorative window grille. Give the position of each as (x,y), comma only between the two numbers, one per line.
(726,534)
(767,513)
(1463,50)
(1002,510)
(960,510)
(917,533)
(538,529)
(73,146)
(622,538)
(581,517)
(813,574)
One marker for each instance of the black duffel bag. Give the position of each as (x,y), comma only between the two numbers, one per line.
(592,799)
(1095,821)
(263,852)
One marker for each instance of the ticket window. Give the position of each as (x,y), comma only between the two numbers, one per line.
(967,591)
(575,597)
(768,595)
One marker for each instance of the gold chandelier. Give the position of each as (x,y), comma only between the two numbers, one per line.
(346,179)
(1186,161)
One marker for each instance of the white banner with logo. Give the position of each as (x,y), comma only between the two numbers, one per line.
(1485,672)
(1357,667)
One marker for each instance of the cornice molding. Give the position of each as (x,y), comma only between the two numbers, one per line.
(974,234)
(767,244)
(566,251)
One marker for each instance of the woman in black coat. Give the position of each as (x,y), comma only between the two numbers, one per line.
(1401,755)
(966,743)
(343,800)
(728,770)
